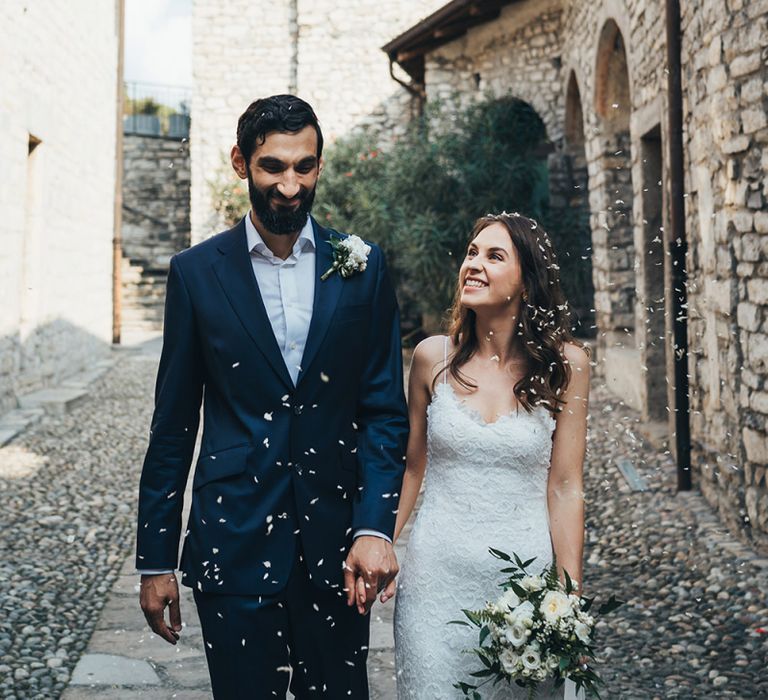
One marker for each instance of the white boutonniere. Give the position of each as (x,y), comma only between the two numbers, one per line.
(350,256)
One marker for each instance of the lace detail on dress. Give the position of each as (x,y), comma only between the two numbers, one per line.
(485,486)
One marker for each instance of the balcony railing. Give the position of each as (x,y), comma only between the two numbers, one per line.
(156,110)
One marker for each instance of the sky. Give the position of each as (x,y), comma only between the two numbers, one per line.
(158,41)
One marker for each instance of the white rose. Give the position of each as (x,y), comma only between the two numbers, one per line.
(531,657)
(582,631)
(357,247)
(509,601)
(516,634)
(555,605)
(523,613)
(532,583)
(510,661)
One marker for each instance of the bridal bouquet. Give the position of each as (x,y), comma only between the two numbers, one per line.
(538,629)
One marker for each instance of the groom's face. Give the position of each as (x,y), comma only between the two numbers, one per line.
(282,177)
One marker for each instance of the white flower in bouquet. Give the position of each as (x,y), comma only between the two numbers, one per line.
(555,606)
(532,583)
(516,634)
(509,600)
(582,631)
(531,657)
(523,614)
(510,661)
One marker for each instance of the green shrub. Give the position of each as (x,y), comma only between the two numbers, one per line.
(419,196)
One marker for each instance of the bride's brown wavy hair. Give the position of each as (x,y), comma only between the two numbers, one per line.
(544,322)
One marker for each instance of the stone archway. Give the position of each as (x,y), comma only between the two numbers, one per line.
(577,188)
(612,224)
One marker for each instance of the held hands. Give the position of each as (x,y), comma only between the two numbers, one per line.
(157,592)
(370,567)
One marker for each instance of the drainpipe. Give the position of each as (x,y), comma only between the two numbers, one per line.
(117,243)
(678,245)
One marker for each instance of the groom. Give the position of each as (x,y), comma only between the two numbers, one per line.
(296,487)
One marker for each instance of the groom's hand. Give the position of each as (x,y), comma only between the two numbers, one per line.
(370,565)
(157,592)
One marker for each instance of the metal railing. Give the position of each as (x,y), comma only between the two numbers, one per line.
(156,110)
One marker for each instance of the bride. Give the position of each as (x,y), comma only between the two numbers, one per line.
(498,413)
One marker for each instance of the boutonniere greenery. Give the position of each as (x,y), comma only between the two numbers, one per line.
(350,256)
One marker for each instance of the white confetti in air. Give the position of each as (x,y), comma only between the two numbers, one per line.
(215,550)
(268,416)
(237,364)
(284,398)
(171,494)
(219,499)
(267,564)
(325,377)
(266,442)
(242,641)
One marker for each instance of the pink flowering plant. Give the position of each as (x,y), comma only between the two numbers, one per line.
(538,629)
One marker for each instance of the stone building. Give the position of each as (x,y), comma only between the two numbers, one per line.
(596,72)
(326,52)
(58,106)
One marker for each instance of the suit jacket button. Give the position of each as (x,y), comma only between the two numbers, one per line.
(297,410)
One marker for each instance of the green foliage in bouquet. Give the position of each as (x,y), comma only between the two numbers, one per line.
(417,197)
(538,629)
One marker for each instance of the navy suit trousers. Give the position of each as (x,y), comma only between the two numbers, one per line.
(256,645)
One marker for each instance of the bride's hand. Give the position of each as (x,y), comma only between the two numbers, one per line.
(389,591)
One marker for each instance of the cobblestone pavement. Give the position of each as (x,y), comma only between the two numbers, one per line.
(70,625)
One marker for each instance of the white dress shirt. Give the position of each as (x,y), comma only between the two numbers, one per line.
(288,291)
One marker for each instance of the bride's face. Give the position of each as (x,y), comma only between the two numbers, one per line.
(490,275)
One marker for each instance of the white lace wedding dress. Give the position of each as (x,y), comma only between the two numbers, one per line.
(485,486)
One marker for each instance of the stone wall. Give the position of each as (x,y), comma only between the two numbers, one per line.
(155,224)
(57,148)
(518,53)
(726,91)
(326,52)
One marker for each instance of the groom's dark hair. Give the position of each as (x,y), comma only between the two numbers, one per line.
(285,113)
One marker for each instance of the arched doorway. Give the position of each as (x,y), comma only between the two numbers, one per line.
(577,200)
(612,229)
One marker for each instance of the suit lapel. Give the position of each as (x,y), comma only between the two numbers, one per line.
(235,274)
(326,297)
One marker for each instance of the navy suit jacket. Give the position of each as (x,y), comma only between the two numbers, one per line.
(278,463)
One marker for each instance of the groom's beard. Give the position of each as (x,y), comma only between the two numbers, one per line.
(280,220)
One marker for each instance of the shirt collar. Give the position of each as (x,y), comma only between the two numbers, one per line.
(305,241)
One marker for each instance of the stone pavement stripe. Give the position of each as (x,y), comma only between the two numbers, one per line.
(110,669)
